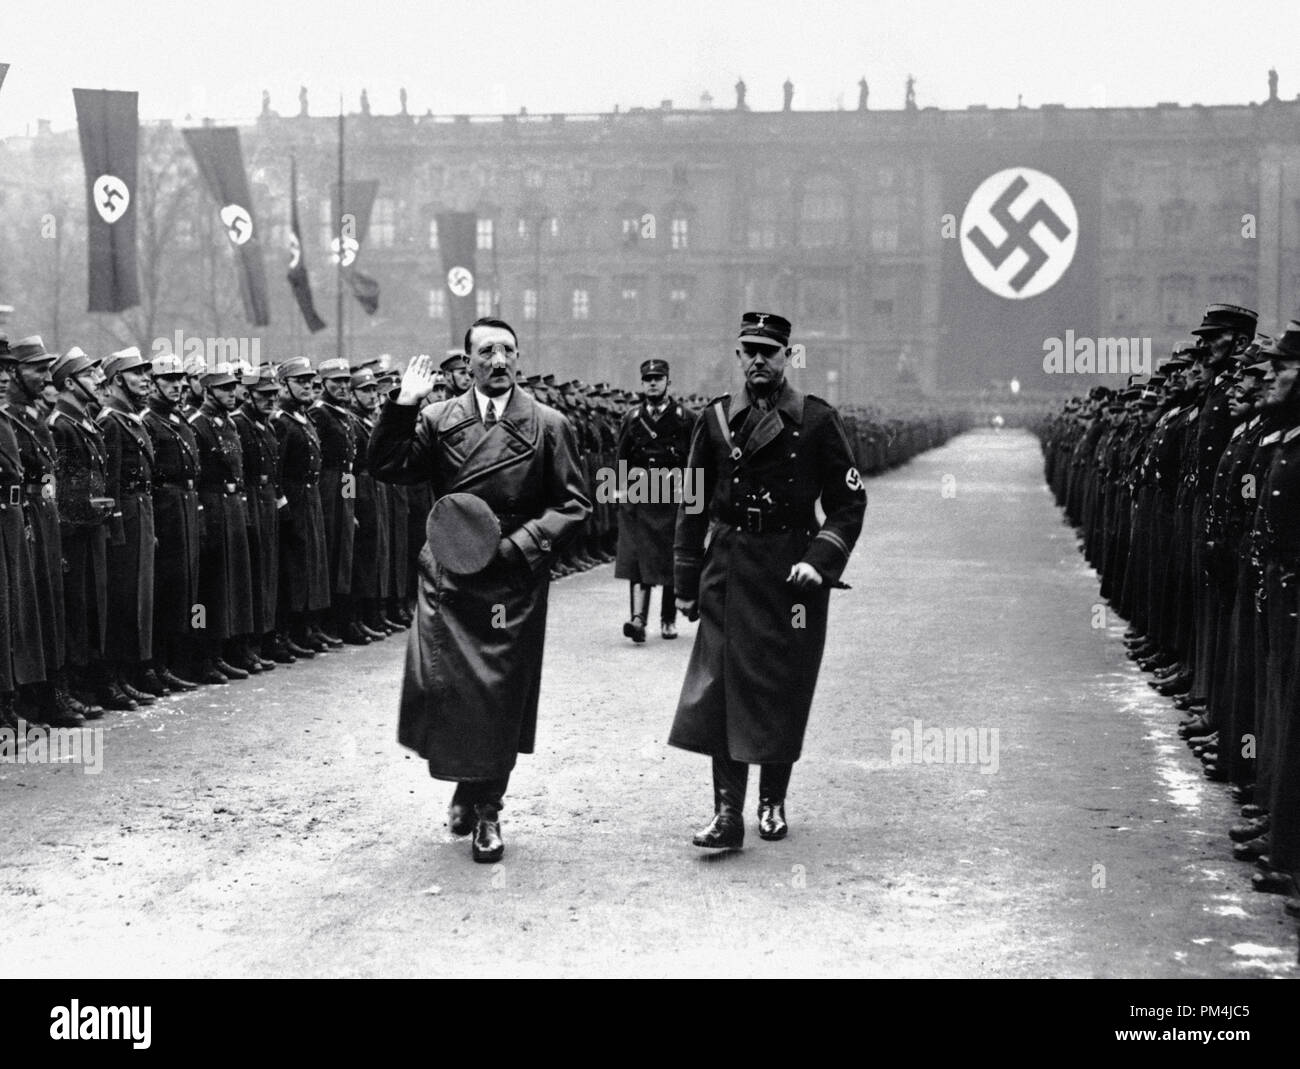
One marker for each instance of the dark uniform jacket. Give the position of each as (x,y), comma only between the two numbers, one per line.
(41,516)
(304,564)
(225,585)
(371,569)
(338,449)
(130,533)
(22,657)
(82,481)
(262,481)
(177,517)
(650,442)
(474,658)
(761,478)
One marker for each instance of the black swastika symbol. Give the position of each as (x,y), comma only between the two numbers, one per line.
(1018,233)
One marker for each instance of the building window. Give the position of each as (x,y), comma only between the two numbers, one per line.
(582,178)
(483,233)
(884,294)
(524,230)
(433,232)
(679,174)
(679,297)
(629,300)
(824,213)
(762,223)
(581,304)
(533,178)
(1124,299)
(1176,292)
(438,303)
(884,235)
(485,301)
(822,299)
(383,224)
(885,177)
(1127,226)
(680,233)
(530,304)
(1176,222)
(882,307)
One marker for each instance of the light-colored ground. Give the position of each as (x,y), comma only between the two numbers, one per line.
(274,827)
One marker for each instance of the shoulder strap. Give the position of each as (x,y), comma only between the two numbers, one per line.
(726,431)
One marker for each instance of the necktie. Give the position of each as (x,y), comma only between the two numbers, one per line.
(490,417)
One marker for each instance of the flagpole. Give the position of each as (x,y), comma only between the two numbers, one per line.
(295,331)
(338,305)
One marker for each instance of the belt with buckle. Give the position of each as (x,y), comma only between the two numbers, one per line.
(173,484)
(11,495)
(262,480)
(754,520)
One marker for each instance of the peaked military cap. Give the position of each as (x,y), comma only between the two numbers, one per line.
(765,327)
(296,367)
(334,369)
(169,365)
(31,352)
(653,366)
(1287,347)
(73,362)
(128,359)
(222,374)
(1227,317)
(456,358)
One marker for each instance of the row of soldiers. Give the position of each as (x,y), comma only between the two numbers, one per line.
(1185,489)
(165,523)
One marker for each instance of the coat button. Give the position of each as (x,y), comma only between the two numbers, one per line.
(546,545)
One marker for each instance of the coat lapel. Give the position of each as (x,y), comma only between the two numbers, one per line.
(770,425)
(513,440)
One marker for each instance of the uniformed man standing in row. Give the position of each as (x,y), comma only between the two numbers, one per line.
(338,446)
(81,478)
(304,561)
(30,365)
(767,457)
(225,588)
(652,444)
(176,517)
(371,570)
(131,528)
(252,420)
(22,662)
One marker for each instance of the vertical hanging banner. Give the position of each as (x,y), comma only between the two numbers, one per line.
(298,280)
(109,127)
(458,237)
(220,161)
(351,225)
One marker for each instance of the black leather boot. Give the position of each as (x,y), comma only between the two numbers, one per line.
(487,845)
(771,819)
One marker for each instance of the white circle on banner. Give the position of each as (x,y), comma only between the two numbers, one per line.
(111,196)
(238,223)
(460,280)
(1019,233)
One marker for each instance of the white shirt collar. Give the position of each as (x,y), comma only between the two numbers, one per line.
(498,403)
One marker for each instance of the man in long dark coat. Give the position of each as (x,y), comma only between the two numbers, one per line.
(371,574)
(652,444)
(225,587)
(176,516)
(474,657)
(304,564)
(338,447)
(30,363)
(130,530)
(763,582)
(22,655)
(252,419)
(82,488)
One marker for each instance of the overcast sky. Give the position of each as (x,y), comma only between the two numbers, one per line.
(214,58)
